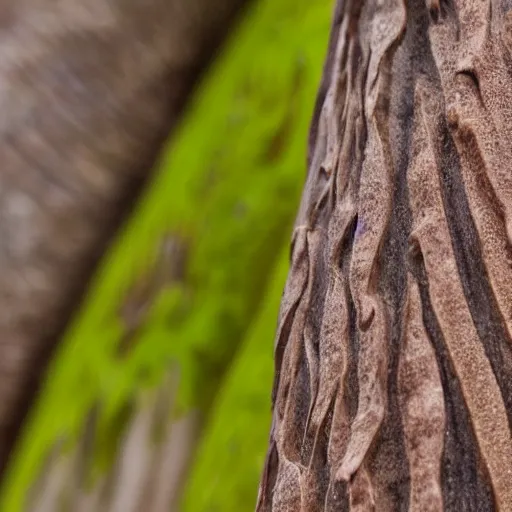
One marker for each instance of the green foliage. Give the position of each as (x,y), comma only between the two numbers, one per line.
(231,454)
(224,198)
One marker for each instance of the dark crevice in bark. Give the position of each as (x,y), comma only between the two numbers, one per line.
(465,486)
(280,348)
(467,250)
(351,384)
(439,10)
(319,461)
(389,461)
(355,162)
(337,497)
(473,273)
(313,330)
(472,76)
(362,130)
(300,400)
(391,458)
(464,483)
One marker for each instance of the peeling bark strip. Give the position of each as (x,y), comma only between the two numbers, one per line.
(89,93)
(394,349)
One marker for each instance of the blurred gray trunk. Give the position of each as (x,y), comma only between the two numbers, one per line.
(393,387)
(90,91)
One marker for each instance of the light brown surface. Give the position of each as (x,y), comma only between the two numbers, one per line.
(393,382)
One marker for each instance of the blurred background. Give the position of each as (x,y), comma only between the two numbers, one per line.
(159,396)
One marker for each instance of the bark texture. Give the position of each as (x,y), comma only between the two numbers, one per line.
(393,387)
(88,93)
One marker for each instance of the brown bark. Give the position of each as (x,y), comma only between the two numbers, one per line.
(89,92)
(393,386)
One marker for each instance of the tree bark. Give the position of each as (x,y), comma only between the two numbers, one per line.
(89,94)
(393,385)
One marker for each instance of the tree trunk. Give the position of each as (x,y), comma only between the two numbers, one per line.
(393,386)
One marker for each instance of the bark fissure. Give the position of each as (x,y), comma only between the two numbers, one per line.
(464,483)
